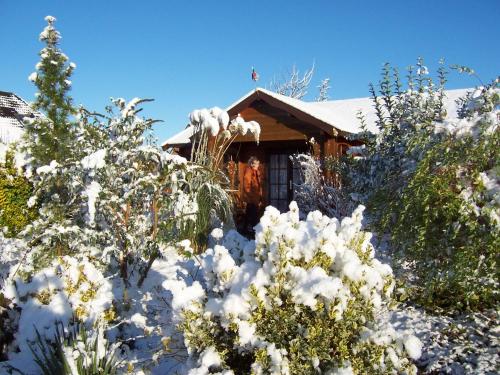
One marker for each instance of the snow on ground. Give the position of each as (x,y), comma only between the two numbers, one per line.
(456,345)
(466,344)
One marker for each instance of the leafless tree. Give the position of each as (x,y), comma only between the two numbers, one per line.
(294,84)
(323,87)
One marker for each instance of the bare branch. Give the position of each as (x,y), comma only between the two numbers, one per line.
(294,85)
(323,87)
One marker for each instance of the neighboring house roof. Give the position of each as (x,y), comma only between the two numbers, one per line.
(332,116)
(12,111)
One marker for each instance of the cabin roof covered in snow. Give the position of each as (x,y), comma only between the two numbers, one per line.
(332,116)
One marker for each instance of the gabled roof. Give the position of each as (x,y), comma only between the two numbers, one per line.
(12,111)
(334,116)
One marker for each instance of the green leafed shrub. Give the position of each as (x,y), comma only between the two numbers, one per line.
(447,230)
(405,118)
(302,299)
(430,182)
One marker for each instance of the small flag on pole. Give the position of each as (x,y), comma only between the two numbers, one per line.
(255,75)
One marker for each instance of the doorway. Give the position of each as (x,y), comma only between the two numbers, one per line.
(282,175)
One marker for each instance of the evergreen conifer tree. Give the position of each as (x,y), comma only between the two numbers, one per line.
(54,143)
(50,137)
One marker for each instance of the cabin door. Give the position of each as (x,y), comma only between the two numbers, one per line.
(283,175)
(279,171)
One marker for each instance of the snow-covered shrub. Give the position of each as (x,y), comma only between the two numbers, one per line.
(115,201)
(70,290)
(77,352)
(447,227)
(53,144)
(420,178)
(314,192)
(302,298)
(405,118)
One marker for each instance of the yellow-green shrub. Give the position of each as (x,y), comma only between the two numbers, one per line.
(302,299)
(15,191)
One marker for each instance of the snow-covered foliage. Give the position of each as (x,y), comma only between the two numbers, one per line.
(429,182)
(302,298)
(213,133)
(448,216)
(112,207)
(405,118)
(323,88)
(125,199)
(463,344)
(50,137)
(79,351)
(68,289)
(115,273)
(313,192)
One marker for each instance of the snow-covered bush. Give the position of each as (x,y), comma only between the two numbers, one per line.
(447,227)
(123,196)
(314,192)
(421,179)
(53,143)
(77,352)
(68,291)
(302,298)
(405,118)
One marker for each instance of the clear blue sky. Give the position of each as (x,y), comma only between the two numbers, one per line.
(192,54)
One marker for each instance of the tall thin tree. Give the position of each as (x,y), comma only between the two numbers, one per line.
(49,137)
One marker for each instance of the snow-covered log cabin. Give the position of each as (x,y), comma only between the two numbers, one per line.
(290,126)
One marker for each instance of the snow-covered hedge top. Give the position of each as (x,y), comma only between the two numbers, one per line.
(284,239)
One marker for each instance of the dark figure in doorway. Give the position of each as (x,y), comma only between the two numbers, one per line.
(252,193)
